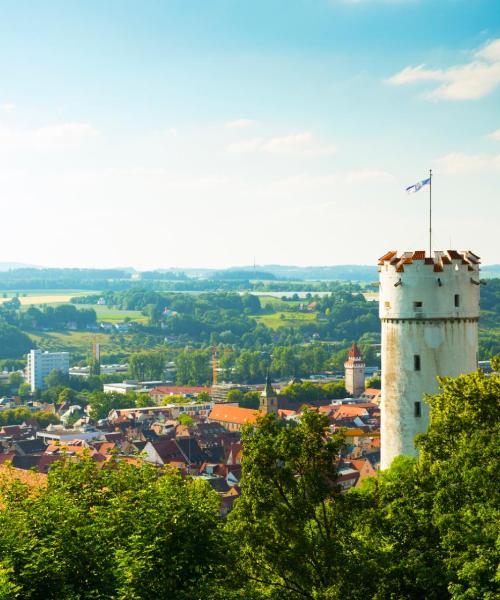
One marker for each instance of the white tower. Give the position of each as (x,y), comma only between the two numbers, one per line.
(429,308)
(354,372)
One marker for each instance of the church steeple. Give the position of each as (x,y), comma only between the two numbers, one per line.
(268,398)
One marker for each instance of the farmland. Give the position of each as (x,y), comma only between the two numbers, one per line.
(285,319)
(37,297)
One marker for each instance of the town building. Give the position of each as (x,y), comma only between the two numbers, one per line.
(354,372)
(220,391)
(40,364)
(429,308)
(162,392)
(233,417)
(120,388)
(268,399)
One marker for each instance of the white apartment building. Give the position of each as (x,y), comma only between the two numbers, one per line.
(40,364)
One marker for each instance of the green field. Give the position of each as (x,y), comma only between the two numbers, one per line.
(285,319)
(71,341)
(278,303)
(114,315)
(80,342)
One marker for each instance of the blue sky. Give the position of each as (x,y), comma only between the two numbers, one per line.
(209,133)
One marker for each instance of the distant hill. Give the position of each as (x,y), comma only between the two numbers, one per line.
(7,266)
(283,272)
(491,271)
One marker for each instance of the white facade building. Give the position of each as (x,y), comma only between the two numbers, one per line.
(40,364)
(429,308)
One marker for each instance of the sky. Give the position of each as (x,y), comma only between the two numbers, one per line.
(216,133)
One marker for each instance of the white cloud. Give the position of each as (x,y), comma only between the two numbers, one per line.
(369,176)
(469,81)
(62,136)
(241,123)
(494,135)
(458,163)
(299,144)
(7,107)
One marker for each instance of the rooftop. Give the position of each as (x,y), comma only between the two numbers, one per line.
(439,259)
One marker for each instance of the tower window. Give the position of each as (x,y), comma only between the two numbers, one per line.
(418,305)
(387,304)
(457,300)
(418,409)
(416,362)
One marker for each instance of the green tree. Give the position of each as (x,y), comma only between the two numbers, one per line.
(147,365)
(290,539)
(374,382)
(95,367)
(438,516)
(24,390)
(15,380)
(193,368)
(111,533)
(56,378)
(102,403)
(66,395)
(185,419)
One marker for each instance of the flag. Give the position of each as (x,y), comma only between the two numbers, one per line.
(416,186)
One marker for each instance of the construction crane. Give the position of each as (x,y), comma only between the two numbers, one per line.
(214,365)
(96,349)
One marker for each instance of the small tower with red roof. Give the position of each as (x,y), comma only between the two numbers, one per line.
(354,372)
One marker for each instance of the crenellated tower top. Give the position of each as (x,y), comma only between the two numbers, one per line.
(442,286)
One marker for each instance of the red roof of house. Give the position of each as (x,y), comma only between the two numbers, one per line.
(284,412)
(350,410)
(354,351)
(224,413)
(173,390)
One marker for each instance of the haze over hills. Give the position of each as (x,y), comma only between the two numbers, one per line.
(8,266)
(363,273)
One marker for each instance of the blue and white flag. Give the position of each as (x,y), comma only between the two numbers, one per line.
(416,186)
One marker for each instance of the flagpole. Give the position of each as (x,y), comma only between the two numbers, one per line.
(430,213)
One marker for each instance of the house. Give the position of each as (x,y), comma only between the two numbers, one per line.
(364,468)
(184,452)
(234,454)
(159,393)
(25,447)
(228,499)
(120,388)
(350,410)
(347,477)
(372,394)
(233,417)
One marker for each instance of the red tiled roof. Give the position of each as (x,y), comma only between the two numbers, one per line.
(233,414)
(179,390)
(284,412)
(350,410)
(354,351)
(387,256)
(466,257)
